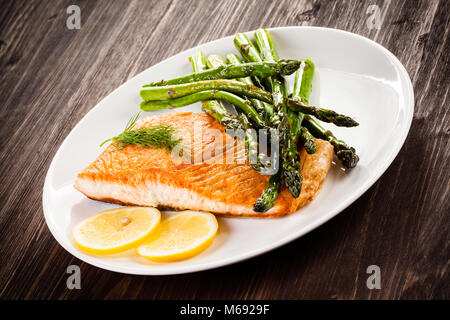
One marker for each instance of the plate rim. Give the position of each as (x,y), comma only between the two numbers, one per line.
(409,107)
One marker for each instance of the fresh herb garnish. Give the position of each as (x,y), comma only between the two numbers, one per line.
(157,137)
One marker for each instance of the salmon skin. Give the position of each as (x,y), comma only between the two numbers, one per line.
(141,176)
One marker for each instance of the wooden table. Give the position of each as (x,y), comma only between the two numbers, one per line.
(52,76)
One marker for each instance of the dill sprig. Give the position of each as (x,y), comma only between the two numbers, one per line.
(157,137)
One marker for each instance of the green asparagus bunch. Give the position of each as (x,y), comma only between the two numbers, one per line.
(263,108)
(289,129)
(215,61)
(250,54)
(302,90)
(213,107)
(258,91)
(258,161)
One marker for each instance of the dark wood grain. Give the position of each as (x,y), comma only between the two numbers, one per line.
(51,76)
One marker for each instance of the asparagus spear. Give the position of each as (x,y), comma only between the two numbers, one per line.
(269,195)
(308,139)
(265,45)
(246,48)
(303,80)
(262,107)
(222,116)
(251,143)
(256,160)
(260,162)
(290,156)
(344,152)
(198,61)
(234,60)
(325,115)
(215,61)
(242,104)
(176,91)
(302,89)
(250,54)
(277,87)
(261,69)
(213,107)
(289,128)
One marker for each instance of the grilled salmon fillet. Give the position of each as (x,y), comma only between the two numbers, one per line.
(136,175)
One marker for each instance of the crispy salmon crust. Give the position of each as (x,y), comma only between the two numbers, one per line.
(141,176)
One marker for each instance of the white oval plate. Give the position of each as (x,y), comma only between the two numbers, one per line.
(356,76)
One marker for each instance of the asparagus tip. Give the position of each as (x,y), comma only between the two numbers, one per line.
(310,146)
(263,204)
(348,157)
(294,182)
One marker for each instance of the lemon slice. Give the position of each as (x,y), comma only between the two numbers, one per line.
(116,230)
(180,236)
